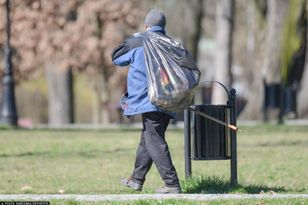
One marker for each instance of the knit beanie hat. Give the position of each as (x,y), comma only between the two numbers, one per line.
(155,18)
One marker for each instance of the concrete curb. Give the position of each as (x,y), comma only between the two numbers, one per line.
(130,197)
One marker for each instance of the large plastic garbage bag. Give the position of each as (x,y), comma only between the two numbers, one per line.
(171,72)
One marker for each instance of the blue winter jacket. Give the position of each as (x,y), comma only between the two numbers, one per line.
(130,52)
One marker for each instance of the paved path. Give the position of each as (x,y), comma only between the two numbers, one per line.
(127,197)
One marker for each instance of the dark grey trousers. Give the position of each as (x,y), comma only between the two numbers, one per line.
(153,148)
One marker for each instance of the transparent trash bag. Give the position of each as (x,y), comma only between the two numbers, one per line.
(171,71)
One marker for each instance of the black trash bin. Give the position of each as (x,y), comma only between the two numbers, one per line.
(290,100)
(210,140)
(273,95)
(282,98)
(206,139)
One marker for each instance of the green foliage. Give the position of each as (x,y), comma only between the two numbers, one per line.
(291,38)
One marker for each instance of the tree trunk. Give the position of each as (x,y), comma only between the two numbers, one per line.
(60,95)
(198,29)
(303,94)
(105,98)
(277,12)
(252,74)
(270,72)
(195,39)
(96,107)
(101,94)
(224,40)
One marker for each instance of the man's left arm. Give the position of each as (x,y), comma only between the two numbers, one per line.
(123,55)
(120,55)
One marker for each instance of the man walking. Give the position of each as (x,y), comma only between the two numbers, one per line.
(153,146)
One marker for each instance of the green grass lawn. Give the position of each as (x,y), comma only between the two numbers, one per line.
(190,202)
(270,158)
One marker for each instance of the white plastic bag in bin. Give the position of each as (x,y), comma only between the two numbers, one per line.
(171,71)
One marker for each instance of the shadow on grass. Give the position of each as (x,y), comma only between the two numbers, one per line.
(25,154)
(94,153)
(216,185)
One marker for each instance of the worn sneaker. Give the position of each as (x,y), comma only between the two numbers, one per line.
(129,183)
(169,190)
